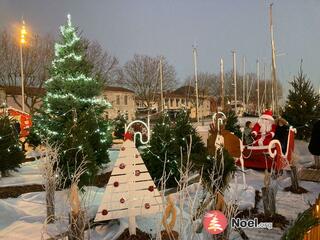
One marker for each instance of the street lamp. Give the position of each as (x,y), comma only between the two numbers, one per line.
(23,34)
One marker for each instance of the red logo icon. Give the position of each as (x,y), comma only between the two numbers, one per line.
(215,222)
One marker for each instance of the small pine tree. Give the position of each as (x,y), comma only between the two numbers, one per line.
(167,141)
(119,123)
(11,154)
(161,148)
(302,106)
(232,123)
(183,129)
(72,112)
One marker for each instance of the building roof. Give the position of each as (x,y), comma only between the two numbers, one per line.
(34,91)
(184,90)
(16,90)
(117,89)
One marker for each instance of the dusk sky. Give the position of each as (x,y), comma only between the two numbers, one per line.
(171,27)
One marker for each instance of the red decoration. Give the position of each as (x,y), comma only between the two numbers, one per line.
(116,184)
(122,200)
(128,136)
(147,206)
(137,173)
(122,166)
(123,148)
(137,155)
(104,212)
(151,188)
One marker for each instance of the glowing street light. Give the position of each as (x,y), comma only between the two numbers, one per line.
(23,34)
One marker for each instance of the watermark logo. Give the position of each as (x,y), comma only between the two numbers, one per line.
(249,223)
(215,222)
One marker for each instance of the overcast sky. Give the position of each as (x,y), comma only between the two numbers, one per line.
(171,27)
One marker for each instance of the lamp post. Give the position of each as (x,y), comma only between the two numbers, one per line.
(23,33)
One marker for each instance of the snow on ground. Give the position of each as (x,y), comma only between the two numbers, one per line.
(29,173)
(23,217)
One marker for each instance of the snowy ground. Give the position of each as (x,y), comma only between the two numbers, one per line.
(23,217)
(29,173)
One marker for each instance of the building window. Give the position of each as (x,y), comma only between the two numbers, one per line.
(166,102)
(171,102)
(177,102)
(126,100)
(118,100)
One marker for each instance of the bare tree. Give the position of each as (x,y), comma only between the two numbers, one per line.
(106,67)
(142,74)
(208,83)
(37,55)
(51,176)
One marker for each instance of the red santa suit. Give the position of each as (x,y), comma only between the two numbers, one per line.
(263,131)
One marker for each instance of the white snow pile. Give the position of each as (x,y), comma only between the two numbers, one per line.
(23,217)
(29,172)
(240,194)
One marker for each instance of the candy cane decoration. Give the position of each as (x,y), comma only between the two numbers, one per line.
(147,126)
(220,119)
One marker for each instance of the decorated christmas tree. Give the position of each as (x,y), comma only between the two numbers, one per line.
(11,153)
(130,191)
(185,134)
(303,105)
(232,123)
(168,141)
(72,112)
(161,148)
(119,123)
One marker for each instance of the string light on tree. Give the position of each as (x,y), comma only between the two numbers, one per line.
(72,111)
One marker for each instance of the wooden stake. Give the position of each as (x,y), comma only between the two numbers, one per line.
(294,178)
(76,217)
(269,201)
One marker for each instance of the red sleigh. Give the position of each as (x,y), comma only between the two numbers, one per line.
(267,157)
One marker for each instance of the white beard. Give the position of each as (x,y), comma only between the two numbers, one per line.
(265,125)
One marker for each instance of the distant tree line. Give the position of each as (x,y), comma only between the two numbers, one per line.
(140,74)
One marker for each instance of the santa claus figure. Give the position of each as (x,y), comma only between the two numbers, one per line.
(263,131)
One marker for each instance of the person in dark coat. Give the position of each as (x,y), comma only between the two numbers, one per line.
(314,144)
(282,132)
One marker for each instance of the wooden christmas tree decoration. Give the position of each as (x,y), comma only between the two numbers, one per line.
(130,191)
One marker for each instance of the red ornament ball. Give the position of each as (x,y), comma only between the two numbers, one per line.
(147,206)
(122,166)
(104,212)
(116,184)
(122,200)
(137,173)
(123,148)
(151,188)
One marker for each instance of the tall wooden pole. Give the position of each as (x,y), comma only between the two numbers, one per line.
(274,77)
(235,81)
(244,80)
(222,83)
(258,85)
(161,84)
(22,42)
(265,85)
(196,81)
